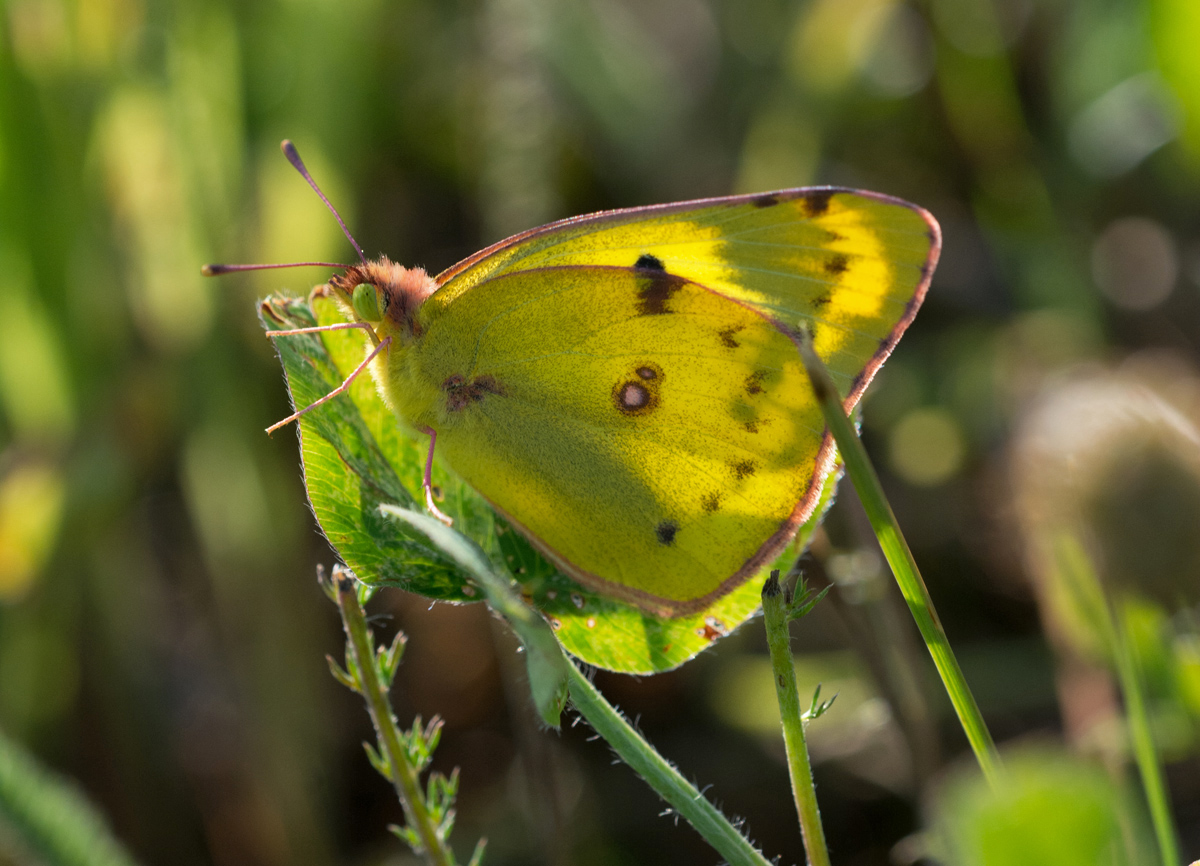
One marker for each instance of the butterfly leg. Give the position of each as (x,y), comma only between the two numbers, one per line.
(427,483)
(340,326)
(340,389)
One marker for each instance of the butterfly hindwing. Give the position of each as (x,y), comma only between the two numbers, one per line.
(657,439)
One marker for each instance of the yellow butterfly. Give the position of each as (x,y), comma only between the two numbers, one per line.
(625,387)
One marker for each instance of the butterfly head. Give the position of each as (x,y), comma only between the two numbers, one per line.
(386,296)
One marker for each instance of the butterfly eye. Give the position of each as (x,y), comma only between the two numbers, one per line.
(366,303)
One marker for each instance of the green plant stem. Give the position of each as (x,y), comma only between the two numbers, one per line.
(900,558)
(660,775)
(1130,674)
(403,775)
(775,614)
(548,668)
(544,659)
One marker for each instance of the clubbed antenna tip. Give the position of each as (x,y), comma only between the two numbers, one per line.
(293,156)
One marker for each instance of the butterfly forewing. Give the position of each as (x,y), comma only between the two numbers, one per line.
(657,439)
(851,265)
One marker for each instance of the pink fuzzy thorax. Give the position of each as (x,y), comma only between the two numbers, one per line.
(401,290)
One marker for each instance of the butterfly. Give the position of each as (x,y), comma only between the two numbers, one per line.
(625,388)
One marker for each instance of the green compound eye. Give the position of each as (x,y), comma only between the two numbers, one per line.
(365,302)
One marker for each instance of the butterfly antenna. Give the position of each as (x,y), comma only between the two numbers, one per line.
(289,150)
(217,270)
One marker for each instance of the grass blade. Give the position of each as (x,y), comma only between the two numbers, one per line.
(900,558)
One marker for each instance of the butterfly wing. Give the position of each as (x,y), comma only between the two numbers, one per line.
(852,265)
(532,346)
(658,440)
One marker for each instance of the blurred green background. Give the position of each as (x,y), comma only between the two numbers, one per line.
(161,631)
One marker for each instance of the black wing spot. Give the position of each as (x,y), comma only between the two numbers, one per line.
(666,532)
(751,426)
(650,263)
(744,469)
(765,200)
(837,265)
(754,382)
(711,502)
(656,290)
(816,202)
(727,337)
(820,302)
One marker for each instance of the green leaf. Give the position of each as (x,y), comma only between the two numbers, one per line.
(544,660)
(389,660)
(357,458)
(477,855)
(408,836)
(342,676)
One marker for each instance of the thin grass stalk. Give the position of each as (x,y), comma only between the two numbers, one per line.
(900,558)
(1078,573)
(1129,672)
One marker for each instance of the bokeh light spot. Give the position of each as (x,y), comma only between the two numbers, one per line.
(1135,263)
(1124,126)
(926,448)
(36,394)
(901,61)
(31,501)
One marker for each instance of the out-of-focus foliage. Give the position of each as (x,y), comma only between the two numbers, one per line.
(46,819)
(1048,808)
(161,636)
(1113,459)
